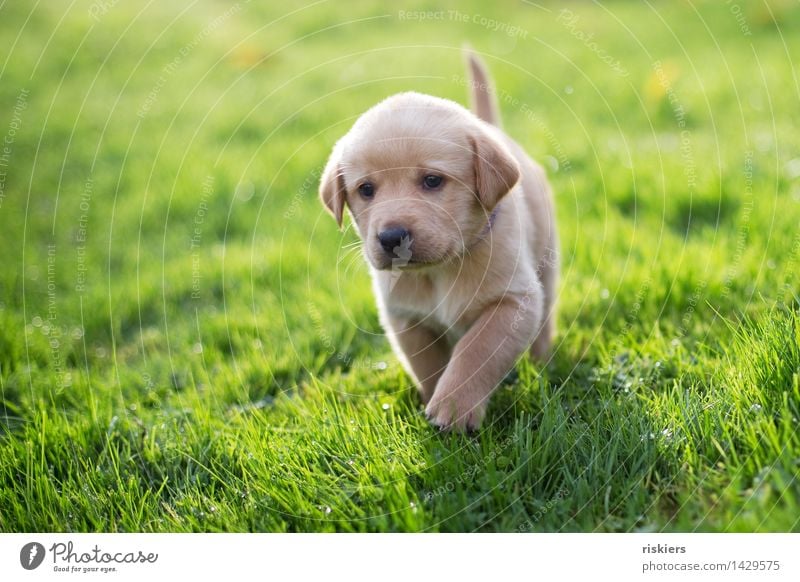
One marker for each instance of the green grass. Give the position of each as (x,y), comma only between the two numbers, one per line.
(241,382)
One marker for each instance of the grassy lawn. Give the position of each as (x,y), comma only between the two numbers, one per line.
(187,342)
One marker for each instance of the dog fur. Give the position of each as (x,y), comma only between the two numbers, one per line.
(472,286)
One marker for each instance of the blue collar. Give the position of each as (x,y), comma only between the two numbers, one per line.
(490,224)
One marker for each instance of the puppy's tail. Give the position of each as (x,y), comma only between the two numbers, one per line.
(482,95)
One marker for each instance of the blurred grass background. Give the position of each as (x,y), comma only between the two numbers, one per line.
(186,343)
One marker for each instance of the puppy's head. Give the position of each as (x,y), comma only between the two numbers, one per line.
(420,176)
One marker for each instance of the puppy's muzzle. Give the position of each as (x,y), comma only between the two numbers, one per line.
(396,242)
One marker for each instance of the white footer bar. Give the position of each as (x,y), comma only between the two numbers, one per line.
(379,557)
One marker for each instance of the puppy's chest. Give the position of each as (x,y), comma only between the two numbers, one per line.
(442,305)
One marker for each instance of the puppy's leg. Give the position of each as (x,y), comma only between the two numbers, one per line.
(482,358)
(424,354)
(540,348)
(548,275)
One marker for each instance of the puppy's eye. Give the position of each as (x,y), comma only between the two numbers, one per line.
(367,190)
(432,182)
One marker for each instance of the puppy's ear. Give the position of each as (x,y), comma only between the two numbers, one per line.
(332,189)
(496,171)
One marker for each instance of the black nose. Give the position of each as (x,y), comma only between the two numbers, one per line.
(393,237)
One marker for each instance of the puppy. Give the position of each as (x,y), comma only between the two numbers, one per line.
(458,228)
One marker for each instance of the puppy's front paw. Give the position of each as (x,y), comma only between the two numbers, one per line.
(454,411)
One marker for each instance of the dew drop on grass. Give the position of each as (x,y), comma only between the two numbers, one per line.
(552,163)
(244,191)
(386,406)
(792,168)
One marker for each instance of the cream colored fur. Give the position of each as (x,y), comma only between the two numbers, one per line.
(473,286)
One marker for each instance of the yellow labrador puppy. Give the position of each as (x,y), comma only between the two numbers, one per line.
(458,227)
